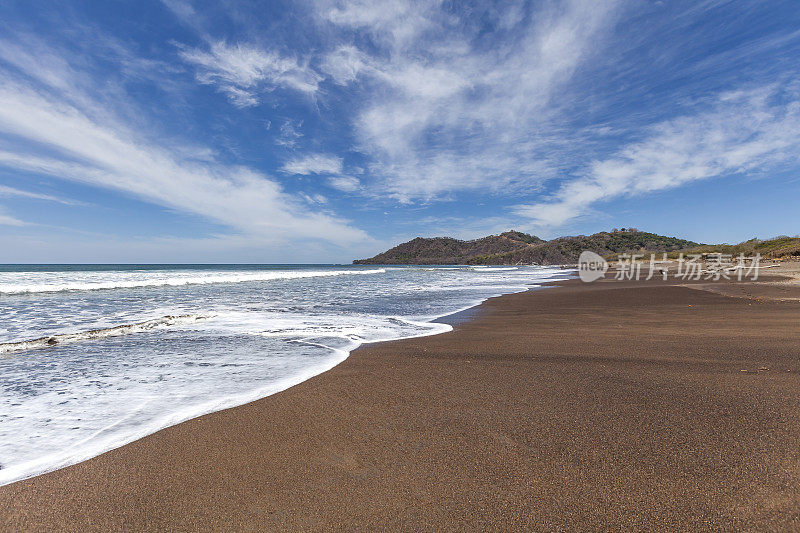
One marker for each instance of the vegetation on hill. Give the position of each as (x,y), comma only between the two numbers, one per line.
(515,247)
(777,248)
(449,251)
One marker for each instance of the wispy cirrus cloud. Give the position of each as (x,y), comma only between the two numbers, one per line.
(85,143)
(345,183)
(12,191)
(452,115)
(324,164)
(243,71)
(314,164)
(289,133)
(748,131)
(8,220)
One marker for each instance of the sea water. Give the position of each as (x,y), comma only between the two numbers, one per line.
(96,356)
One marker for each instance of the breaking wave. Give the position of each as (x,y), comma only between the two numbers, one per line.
(103,333)
(173,281)
(493,269)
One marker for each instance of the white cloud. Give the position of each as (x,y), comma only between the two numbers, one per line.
(743,132)
(315,198)
(8,220)
(242,71)
(28,54)
(11,191)
(448,115)
(180,8)
(323,164)
(397,22)
(345,64)
(240,97)
(289,134)
(67,143)
(314,164)
(345,183)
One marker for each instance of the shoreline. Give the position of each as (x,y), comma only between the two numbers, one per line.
(436,431)
(337,356)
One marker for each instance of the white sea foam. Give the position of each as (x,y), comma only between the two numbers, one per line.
(147,408)
(139,281)
(132,426)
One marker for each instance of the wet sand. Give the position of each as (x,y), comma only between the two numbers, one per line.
(610,406)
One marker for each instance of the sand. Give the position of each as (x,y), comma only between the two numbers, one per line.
(609,406)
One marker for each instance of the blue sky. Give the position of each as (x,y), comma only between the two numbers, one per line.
(189,131)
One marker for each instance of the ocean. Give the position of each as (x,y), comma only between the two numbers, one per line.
(95,356)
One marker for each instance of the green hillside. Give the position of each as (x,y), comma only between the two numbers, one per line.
(515,247)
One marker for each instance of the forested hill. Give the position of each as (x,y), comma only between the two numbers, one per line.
(515,247)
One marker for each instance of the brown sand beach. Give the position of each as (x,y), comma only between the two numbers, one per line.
(632,406)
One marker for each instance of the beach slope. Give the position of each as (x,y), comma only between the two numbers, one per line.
(633,406)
